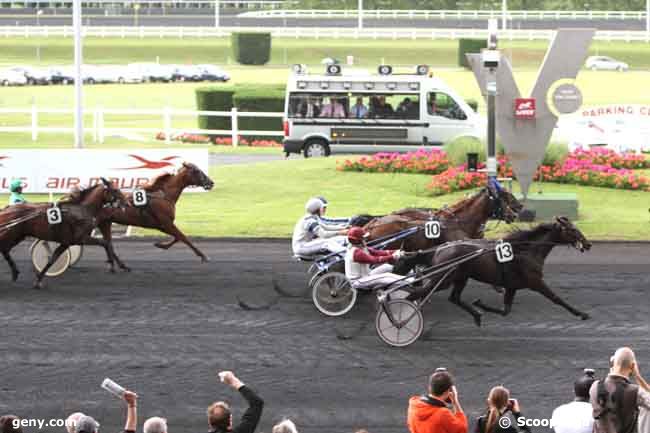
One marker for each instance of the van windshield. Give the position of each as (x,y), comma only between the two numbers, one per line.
(354,106)
(441,104)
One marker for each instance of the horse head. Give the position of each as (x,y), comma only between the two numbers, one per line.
(196,177)
(505,205)
(113,196)
(569,234)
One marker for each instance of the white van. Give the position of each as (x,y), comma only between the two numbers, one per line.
(375,111)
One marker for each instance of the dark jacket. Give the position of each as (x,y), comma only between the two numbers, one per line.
(482,421)
(615,404)
(251,417)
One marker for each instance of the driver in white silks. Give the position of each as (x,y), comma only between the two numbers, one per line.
(360,257)
(314,235)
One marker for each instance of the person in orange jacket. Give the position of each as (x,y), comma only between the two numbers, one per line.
(439,411)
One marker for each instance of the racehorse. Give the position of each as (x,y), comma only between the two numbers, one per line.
(464,220)
(159,211)
(526,270)
(78,217)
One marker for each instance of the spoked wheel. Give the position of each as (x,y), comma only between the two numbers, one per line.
(41,251)
(76,253)
(406,326)
(313,277)
(333,295)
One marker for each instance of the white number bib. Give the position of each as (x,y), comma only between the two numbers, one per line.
(139,197)
(54,216)
(432,229)
(504,252)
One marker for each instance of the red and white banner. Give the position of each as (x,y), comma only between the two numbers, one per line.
(57,171)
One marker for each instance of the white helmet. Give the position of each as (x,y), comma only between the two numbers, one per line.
(314,205)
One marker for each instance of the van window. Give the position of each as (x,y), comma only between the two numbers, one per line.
(441,104)
(354,106)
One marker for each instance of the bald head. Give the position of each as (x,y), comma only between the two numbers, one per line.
(623,361)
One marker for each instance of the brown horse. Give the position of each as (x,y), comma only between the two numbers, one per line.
(160,210)
(526,270)
(77,218)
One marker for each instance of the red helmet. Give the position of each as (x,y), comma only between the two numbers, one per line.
(356,234)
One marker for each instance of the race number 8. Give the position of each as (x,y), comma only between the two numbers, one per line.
(139,197)
(432,229)
(54,216)
(504,252)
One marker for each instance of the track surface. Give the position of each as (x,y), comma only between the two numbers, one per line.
(167,327)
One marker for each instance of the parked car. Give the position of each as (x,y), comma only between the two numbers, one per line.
(152,72)
(186,73)
(604,63)
(61,76)
(33,75)
(213,73)
(12,78)
(124,74)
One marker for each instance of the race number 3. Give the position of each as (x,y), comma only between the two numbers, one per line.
(432,229)
(139,197)
(54,216)
(504,252)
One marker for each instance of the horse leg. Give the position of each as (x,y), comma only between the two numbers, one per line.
(107,235)
(12,265)
(166,245)
(454,298)
(171,229)
(38,284)
(546,291)
(508,300)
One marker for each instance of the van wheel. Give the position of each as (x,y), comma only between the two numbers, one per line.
(316,148)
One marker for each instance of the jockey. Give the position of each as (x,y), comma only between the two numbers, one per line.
(359,257)
(312,235)
(16,188)
(342,222)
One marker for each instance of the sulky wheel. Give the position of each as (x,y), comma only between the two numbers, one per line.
(76,252)
(313,277)
(41,251)
(406,326)
(333,295)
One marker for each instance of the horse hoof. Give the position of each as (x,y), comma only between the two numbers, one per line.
(14,277)
(477,320)
(205,259)
(585,316)
(126,269)
(38,285)
(110,270)
(159,245)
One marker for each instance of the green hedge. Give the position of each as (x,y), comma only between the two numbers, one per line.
(251,48)
(262,97)
(469,46)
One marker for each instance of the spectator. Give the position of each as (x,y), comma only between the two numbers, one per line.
(363,430)
(309,108)
(358,110)
(72,421)
(131,400)
(8,424)
(496,419)
(220,416)
(155,425)
(430,414)
(286,426)
(86,424)
(407,109)
(334,109)
(383,109)
(575,417)
(616,401)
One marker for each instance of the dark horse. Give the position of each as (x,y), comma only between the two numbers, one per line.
(525,271)
(464,220)
(160,210)
(80,214)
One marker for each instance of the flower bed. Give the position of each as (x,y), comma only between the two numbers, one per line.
(421,161)
(220,141)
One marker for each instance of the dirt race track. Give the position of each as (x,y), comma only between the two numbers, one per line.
(167,327)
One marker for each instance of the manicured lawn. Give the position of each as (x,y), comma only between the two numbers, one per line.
(266,199)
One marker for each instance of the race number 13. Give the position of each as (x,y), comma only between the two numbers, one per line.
(504,252)
(432,229)
(54,216)
(139,197)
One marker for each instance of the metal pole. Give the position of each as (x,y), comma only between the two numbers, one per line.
(360,15)
(78,78)
(647,17)
(216,13)
(491,87)
(504,13)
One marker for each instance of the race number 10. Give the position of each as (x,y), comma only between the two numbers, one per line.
(139,197)
(432,229)
(504,252)
(54,216)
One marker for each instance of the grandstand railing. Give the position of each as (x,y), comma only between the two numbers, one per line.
(100,131)
(303,32)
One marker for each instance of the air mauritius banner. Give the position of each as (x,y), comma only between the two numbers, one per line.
(57,171)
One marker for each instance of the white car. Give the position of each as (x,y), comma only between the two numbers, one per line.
(97,74)
(124,74)
(152,71)
(213,73)
(33,75)
(12,78)
(604,63)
